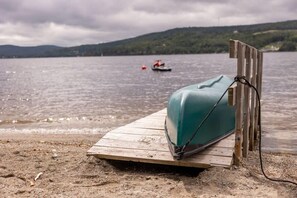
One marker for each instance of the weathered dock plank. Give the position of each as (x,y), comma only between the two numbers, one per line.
(144,141)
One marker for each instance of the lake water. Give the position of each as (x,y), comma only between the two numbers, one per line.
(91,94)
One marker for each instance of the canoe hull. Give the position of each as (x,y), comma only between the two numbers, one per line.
(188,107)
(161,68)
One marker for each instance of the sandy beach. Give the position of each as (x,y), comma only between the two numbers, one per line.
(56,165)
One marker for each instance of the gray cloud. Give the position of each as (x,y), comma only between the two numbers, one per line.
(75,22)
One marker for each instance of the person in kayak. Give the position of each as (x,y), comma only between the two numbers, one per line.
(158,63)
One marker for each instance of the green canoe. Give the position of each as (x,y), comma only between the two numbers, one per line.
(186,110)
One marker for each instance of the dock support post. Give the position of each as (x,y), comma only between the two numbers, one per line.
(259,88)
(247,101)
(253,128)
(246,116)
(239,103)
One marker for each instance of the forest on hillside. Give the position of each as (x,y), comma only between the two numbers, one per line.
(280,36)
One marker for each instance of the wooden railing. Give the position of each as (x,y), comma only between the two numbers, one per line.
(250,65)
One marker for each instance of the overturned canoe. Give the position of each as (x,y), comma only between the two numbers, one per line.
(186,128)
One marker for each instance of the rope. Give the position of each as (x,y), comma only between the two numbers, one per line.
(243,80)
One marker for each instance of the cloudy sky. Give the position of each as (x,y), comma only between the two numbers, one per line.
(76,22)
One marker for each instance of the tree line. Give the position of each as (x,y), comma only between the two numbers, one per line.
(280,36)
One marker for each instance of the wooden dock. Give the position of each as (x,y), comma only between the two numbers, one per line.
(144,141)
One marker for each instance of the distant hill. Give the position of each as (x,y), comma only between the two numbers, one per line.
(11,51)
(279,36)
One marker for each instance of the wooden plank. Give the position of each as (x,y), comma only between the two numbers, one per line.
(154,146)
(260,73)
(116,143)
(248,68)
(239,104)
(152,118)
(139,131)
(161,112)
(148,139)
(159,122)
(202,161)
(233,44)
(258,86)
(135,138)
(232,95)
(155,116)
(146,125)
(253,103)
(127,139)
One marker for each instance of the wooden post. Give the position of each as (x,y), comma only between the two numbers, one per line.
(247,102)
(233,48)
(232,95)
(239,103)
(253,129)
(260,73)
(258,87)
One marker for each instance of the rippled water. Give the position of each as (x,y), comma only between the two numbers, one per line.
(86,94)
(279,111)
(94,92)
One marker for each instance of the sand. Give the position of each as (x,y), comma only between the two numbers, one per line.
(48,165)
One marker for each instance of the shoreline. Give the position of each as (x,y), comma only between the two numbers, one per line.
(62,169)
